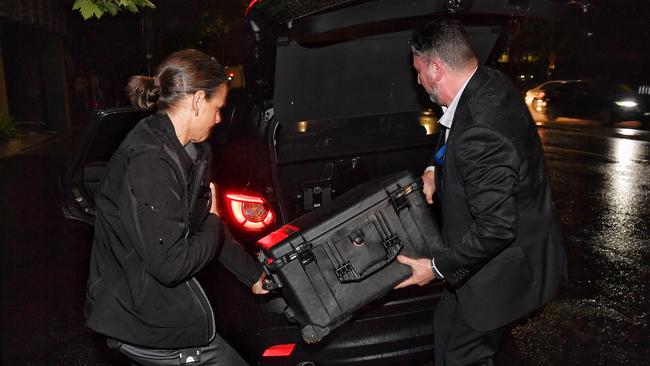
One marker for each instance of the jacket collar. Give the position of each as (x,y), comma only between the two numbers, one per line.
(475,83)
(480,77)
(165,126)
(447,118)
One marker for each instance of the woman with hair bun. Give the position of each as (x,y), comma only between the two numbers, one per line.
(157,226)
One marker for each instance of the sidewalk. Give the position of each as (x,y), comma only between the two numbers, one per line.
(29,138)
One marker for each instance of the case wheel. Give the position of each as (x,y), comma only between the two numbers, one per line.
(313,333)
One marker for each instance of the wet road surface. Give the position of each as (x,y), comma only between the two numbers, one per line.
(601,185)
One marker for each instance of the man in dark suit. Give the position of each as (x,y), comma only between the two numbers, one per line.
(505,256)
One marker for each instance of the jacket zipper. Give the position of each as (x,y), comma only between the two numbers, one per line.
(211,325)
(192,177)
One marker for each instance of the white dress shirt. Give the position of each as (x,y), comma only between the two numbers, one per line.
(447,120)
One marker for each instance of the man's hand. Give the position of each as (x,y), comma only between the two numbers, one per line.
(257,286)
(421,272)
(429,180)
(213,199)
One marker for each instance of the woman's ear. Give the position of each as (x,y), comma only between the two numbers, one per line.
(197,102)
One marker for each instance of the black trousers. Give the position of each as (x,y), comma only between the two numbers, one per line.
(217,353)
(455,342)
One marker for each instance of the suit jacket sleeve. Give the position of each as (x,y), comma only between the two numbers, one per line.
(488,164)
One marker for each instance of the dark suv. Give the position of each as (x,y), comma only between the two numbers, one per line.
(330,101)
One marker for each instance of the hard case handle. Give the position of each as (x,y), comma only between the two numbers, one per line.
(398,196)
(346,272)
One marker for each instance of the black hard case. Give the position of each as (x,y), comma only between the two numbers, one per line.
(332,261)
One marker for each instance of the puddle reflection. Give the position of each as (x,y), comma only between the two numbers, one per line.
(623,195)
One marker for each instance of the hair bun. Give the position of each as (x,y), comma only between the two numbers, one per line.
(184,73)
(143,92)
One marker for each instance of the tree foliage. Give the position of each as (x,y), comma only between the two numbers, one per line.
(97,8)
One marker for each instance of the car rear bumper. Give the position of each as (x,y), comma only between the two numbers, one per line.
(393,331)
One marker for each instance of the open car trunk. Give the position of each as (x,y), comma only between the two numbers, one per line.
(347,107)
(351,110)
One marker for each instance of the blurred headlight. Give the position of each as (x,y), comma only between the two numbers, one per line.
(626,103)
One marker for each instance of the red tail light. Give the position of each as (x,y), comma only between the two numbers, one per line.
(250,211)
(280,350)
(250,5)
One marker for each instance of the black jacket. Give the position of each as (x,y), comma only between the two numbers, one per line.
(153,233)
(506,254)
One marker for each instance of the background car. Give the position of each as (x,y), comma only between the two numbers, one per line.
(586,99)
(644,95)
(331,100)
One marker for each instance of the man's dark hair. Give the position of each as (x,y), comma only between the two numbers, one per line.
(445,39)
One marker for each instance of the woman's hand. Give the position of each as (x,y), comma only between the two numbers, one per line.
(213,199)
(257,287)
